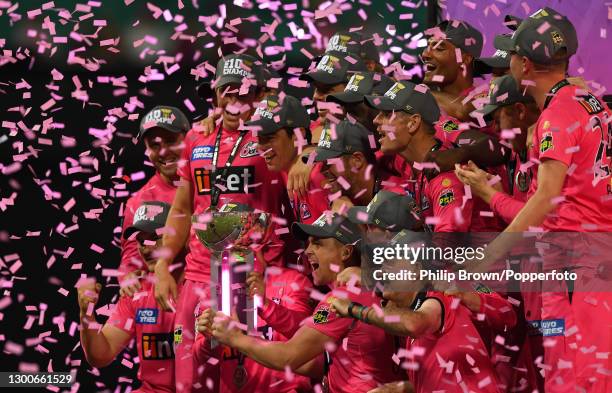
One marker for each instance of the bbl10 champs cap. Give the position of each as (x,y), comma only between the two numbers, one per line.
(328,226)
(235,69)
(334,68)
(149,217)
(349,138)
(463,36)
(408,97)
(352,43)
(387,210)
(274,113)
(503,91)
(167,117)
(360,85)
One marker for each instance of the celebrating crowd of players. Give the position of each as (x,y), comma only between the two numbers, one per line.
(386,156)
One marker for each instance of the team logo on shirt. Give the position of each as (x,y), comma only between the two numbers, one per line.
(147,316)
(202,153)
(522,180)
(305,211)
(249,150)
(238,180)
(547,142)
(322,314)
(450,126)
(178,334)
(446,197)
(591,104)
(157,346)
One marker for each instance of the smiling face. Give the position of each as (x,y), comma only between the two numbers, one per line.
(394,130)
(326,258)
(148,244)
(440,59)
(234,106)
(164,150)
(348,167)
(278,150)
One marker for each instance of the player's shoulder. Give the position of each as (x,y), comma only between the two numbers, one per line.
(573,103)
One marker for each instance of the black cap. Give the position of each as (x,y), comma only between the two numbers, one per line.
(334,68)
(463,36)
(503,91)
(512,22)
(387,210)
(326,226)
(149,217)
(360,85)
(408,97)
(274,113)
(349,138)
(541,36)
(500,59)
(353,43)
(236,69)
(163,116)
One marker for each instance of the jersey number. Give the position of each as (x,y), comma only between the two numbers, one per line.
(604,151)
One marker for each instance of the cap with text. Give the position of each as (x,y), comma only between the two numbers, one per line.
(166,117)
(238,69)
(334,68)
(346,137)
(148,218)
(408,97)
(276,112)
(360,85)
(503,91)
(353,42)
(462,35)
(387,210)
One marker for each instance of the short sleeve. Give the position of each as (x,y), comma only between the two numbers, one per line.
(123,314)
(449,305)
(451,212)
(328,322)
(556,136)
(184,166)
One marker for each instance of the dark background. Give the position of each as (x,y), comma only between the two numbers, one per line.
(36,231)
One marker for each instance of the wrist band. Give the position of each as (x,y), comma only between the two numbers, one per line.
(364,314)
(350,309)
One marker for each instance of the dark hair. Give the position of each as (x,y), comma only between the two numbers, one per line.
(355,259)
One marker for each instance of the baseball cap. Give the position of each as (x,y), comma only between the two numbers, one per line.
(326,226)
(350,137)
(149,217)
(345,43)
(387,210)
(541,36)
(500,59)
(163,116)
(274,113)
(235,68)
(334,68)
(503,91)
(406,96)
(360,85)
(463,36)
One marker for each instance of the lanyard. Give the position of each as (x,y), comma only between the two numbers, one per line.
(216,191)
(554,90)
(419,192)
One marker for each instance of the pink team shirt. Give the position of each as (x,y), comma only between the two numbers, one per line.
(288,292)
(153,330)
(575,129)
(454,359)
(363,357)
(156,189)
(507,205)
(248,181)
(315,203)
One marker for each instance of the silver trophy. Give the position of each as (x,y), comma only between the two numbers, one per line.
(230,234)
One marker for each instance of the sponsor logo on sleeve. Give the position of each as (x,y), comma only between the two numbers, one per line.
(147,316)
(178,334)
(591,104)
(202,153)
(547,142)
(446,197)
(157,346)
(450,126)
(322,314)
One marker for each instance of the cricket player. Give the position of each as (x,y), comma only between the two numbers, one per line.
(571,193)
(357,355)
(136,317)
(214,169)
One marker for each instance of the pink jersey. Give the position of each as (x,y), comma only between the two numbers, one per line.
(574,128)
(315,203)
(153,330)
(363,356)
(447,130)
(248,181)
(288,292)
(507,205)
(442,202)
(156,189)
(454,359)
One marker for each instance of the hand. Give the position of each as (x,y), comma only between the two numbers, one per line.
(87,293)
(470,299)
(225,329)
(298,179)
(256,286)
(477,179)
(345,276)
(131,283)
(165,288)
(394,387)
(209,124)
(340,306)
(204,322)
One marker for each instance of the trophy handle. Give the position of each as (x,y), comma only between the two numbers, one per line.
(216,261)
